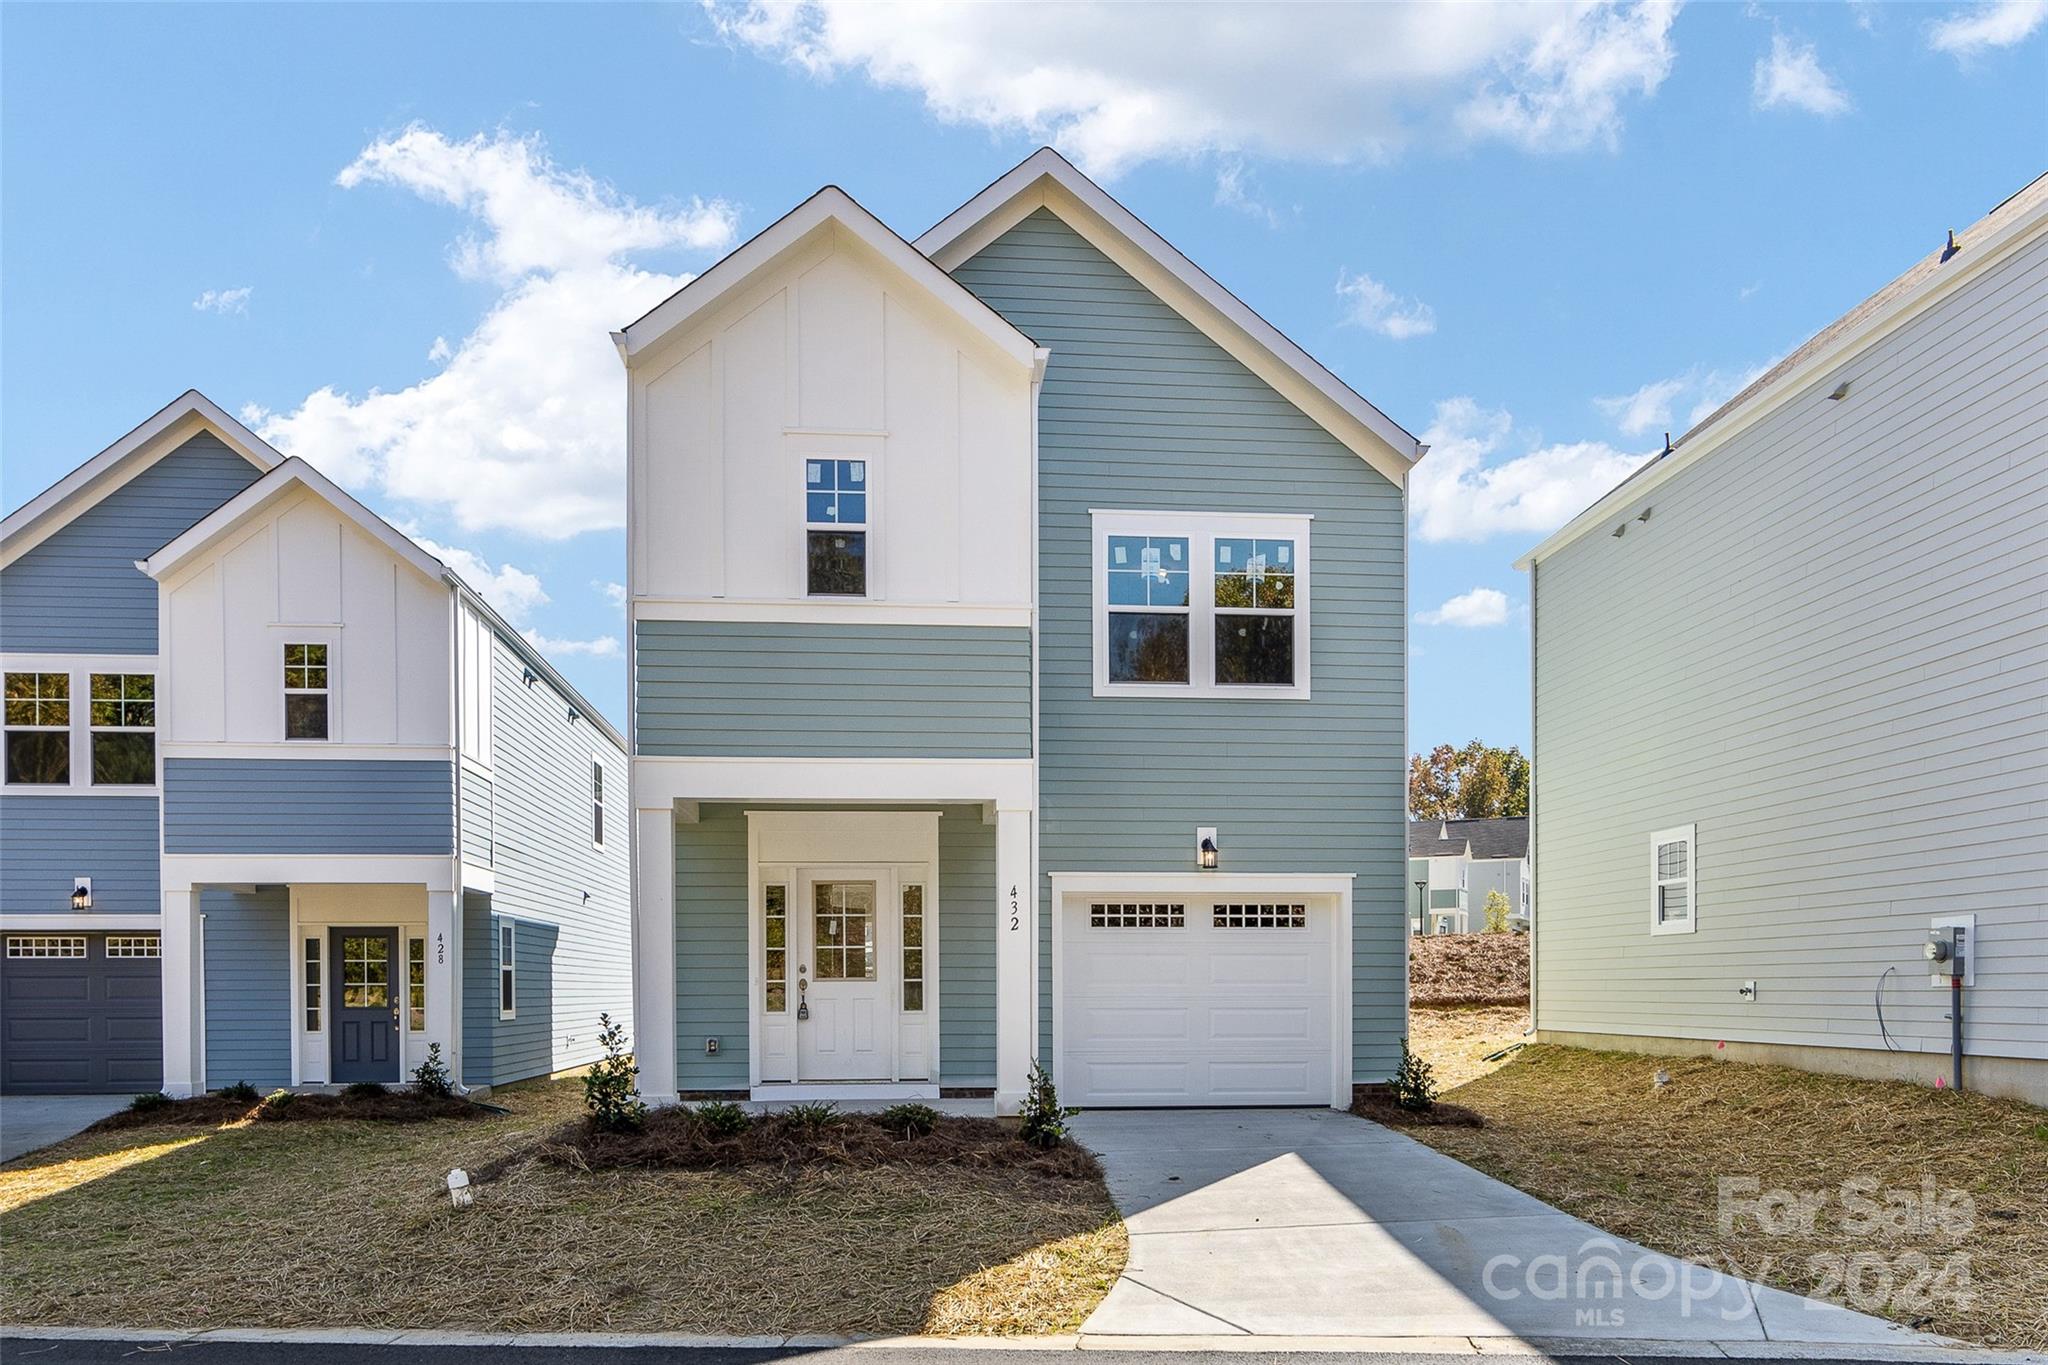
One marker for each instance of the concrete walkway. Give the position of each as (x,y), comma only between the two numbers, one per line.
(1306,1222)
(31,1121)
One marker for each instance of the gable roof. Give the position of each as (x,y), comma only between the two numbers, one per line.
(1047,179)
(1482,840)
(2013,222)
(294,474)
(168,428)
(830,208)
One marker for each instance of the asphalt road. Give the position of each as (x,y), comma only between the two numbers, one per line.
(28,1351)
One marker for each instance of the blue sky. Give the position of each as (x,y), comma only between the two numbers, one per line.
(396,236)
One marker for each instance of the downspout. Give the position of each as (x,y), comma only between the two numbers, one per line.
(1535,775)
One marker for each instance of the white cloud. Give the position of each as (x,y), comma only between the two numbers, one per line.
(614,593)
(224,300)
(1479,607)
(2001,23)
(1114,85)
(1373,306)
(522,428)
(1233,192)
(439,351)
(1456,494)
(1652,407)
(512,590)
(1648,408)
(1791,77)
(603,647)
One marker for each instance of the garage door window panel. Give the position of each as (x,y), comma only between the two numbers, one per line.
(45,945)
(1137,915)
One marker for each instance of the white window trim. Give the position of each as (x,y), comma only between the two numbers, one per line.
(80,668)
(302,635)
(1690,924)
(597,804)
(76,745)
(870,527)
(1202,530)
(508,967)
(93,731)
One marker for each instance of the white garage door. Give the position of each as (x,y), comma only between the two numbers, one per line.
(1184,1000)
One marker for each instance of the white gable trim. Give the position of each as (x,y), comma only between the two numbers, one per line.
(830,206)
(191,413)
(1977,257)
(293,474)
(1047,179)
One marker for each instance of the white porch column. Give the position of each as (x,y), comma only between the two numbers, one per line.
(654,952)
(1016,988)
(184,1014)
(444,970)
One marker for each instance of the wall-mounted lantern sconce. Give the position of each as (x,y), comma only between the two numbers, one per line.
(1205,849)
(81,893)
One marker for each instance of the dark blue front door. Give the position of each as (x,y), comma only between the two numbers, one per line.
(365,1046)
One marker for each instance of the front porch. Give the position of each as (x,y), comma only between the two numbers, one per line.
(309,976)
(864,952)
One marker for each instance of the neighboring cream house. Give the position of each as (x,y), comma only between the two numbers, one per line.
(1791,700)
(1454,864)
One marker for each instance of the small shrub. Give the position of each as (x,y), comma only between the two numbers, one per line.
(150,1101)
(1413,1083)
(812,1114)
(1044,1118)
(610,1092)
(277,1101)
(240,1090)
(431,1077)
(1496,912)
(909,1120)
(363,1090)
(723,1118)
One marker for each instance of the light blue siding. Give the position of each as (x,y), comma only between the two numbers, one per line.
(711,949)
(1141,410)
(475,793)
(45,841)
(248,996)
(283,805)
(79,590)
(753,689)
(567,898)
(967,949)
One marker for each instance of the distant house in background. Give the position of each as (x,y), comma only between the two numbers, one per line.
(1452,864)
(1789,701)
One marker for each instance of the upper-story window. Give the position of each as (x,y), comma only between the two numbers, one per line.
(596,804)
(39,729)
(836,528)
(123,729)
(1201,604)
(305,691)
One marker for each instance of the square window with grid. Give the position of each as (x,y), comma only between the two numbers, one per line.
(1137,915)
(134,945)
(1281,916)
(45,945)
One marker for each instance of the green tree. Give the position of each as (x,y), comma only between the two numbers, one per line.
(1476,782)
(1496,911)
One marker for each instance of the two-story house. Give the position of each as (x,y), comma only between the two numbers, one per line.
(1454,865)
(285,802)
(1018,660)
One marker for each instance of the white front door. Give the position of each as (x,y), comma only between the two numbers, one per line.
(846,964)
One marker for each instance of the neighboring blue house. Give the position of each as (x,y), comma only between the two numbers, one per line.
(284,800)
(983,711)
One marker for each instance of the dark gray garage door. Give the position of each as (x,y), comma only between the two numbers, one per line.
(80,1014)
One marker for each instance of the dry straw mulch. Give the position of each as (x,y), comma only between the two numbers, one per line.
(1592,1133)
(1462,1043)
(1468,969)
(1442,1114)
(215,1111)
(349,1223)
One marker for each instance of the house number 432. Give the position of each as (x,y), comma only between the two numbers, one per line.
(1016,911)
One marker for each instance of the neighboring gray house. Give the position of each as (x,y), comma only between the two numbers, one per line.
(284,801)
(1791,700)
(983,713)
(1453,864)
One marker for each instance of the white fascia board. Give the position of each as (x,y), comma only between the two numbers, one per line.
(171,426)
(1979,256)
(293,473)
(1218,313)
(31,922)
(660,781)
(1196,883)
(183,871)
(830,206)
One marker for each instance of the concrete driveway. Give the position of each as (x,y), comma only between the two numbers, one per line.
(1306,1222)
(31,1121)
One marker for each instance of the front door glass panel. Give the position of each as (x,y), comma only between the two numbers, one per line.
(843,923)
(365,971)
